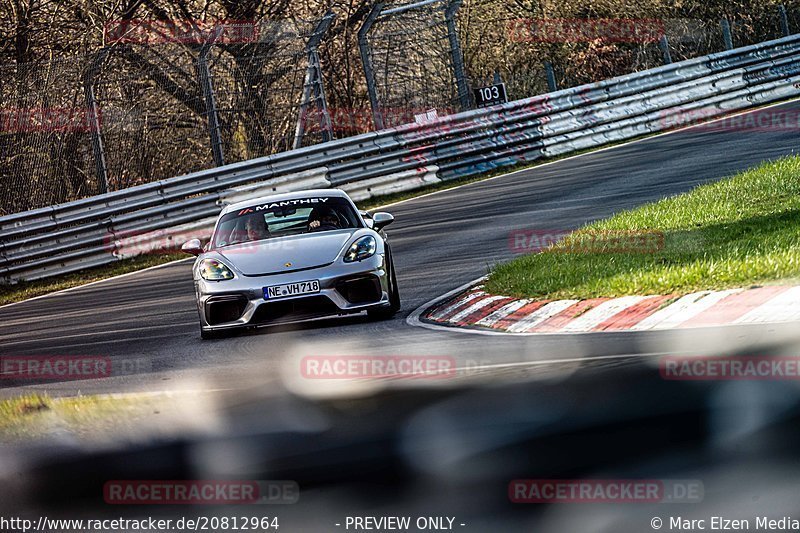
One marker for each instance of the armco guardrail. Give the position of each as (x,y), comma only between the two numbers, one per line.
(102,229)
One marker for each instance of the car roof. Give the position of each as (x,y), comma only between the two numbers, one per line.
(338,193)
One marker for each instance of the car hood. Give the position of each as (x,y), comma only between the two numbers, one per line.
(287,254)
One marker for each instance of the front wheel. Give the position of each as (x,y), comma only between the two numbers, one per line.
(394,299)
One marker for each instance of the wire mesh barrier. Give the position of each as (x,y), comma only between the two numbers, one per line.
(156,104)
(44,135)
(152,114)
(412,61)
(757,26)
(533,53)
(269,94)
(688,37)
(163,99)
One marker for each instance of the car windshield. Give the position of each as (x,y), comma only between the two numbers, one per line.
(287,217)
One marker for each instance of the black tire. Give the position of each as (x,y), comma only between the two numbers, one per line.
(211,334)
(385,313)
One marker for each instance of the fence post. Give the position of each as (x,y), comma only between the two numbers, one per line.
(204,76)
(726,33)
(458,59)
(313,82)
(93,119)
(320,99)
(550,74)
(366,62)
(784,20)
(663,44)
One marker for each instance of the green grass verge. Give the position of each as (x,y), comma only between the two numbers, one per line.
(105,418)
(36,416)
(738,232)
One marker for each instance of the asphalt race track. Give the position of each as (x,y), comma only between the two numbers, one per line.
(439,242)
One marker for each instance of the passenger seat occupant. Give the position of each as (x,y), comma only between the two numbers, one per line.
(323,218)
(255,228)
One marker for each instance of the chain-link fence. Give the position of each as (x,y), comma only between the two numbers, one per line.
(152,114)
(160,99)
(151,106)
(412,61)
(45,142)
(269,95)
(534,54)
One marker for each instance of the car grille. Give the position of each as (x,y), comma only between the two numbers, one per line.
(294,309)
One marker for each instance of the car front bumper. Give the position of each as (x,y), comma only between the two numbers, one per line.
(344,288)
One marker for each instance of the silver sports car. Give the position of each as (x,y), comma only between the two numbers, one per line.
(292,257)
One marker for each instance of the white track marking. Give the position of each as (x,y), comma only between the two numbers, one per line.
(499,314)
(596,316)
(540,315)
(474,307)
(452,307)
(784,307)
(683,310)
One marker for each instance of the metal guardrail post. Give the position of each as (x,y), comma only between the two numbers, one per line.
(204,76)
(550,75)
(458,59)
(727,38)
(93,119)
(366,62)
(314,82)
(663,44)
(784,20)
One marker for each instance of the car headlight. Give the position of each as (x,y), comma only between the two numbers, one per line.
(213,270)
(361,249)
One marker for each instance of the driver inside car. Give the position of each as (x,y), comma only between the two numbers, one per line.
(323,219)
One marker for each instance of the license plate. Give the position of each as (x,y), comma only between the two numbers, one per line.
(291,289)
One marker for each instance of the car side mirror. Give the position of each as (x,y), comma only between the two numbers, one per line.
(381,220)
(192,247)
(367,218)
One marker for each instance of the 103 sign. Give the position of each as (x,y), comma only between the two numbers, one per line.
(492,95)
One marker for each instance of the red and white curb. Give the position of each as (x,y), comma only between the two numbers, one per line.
(471,307)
